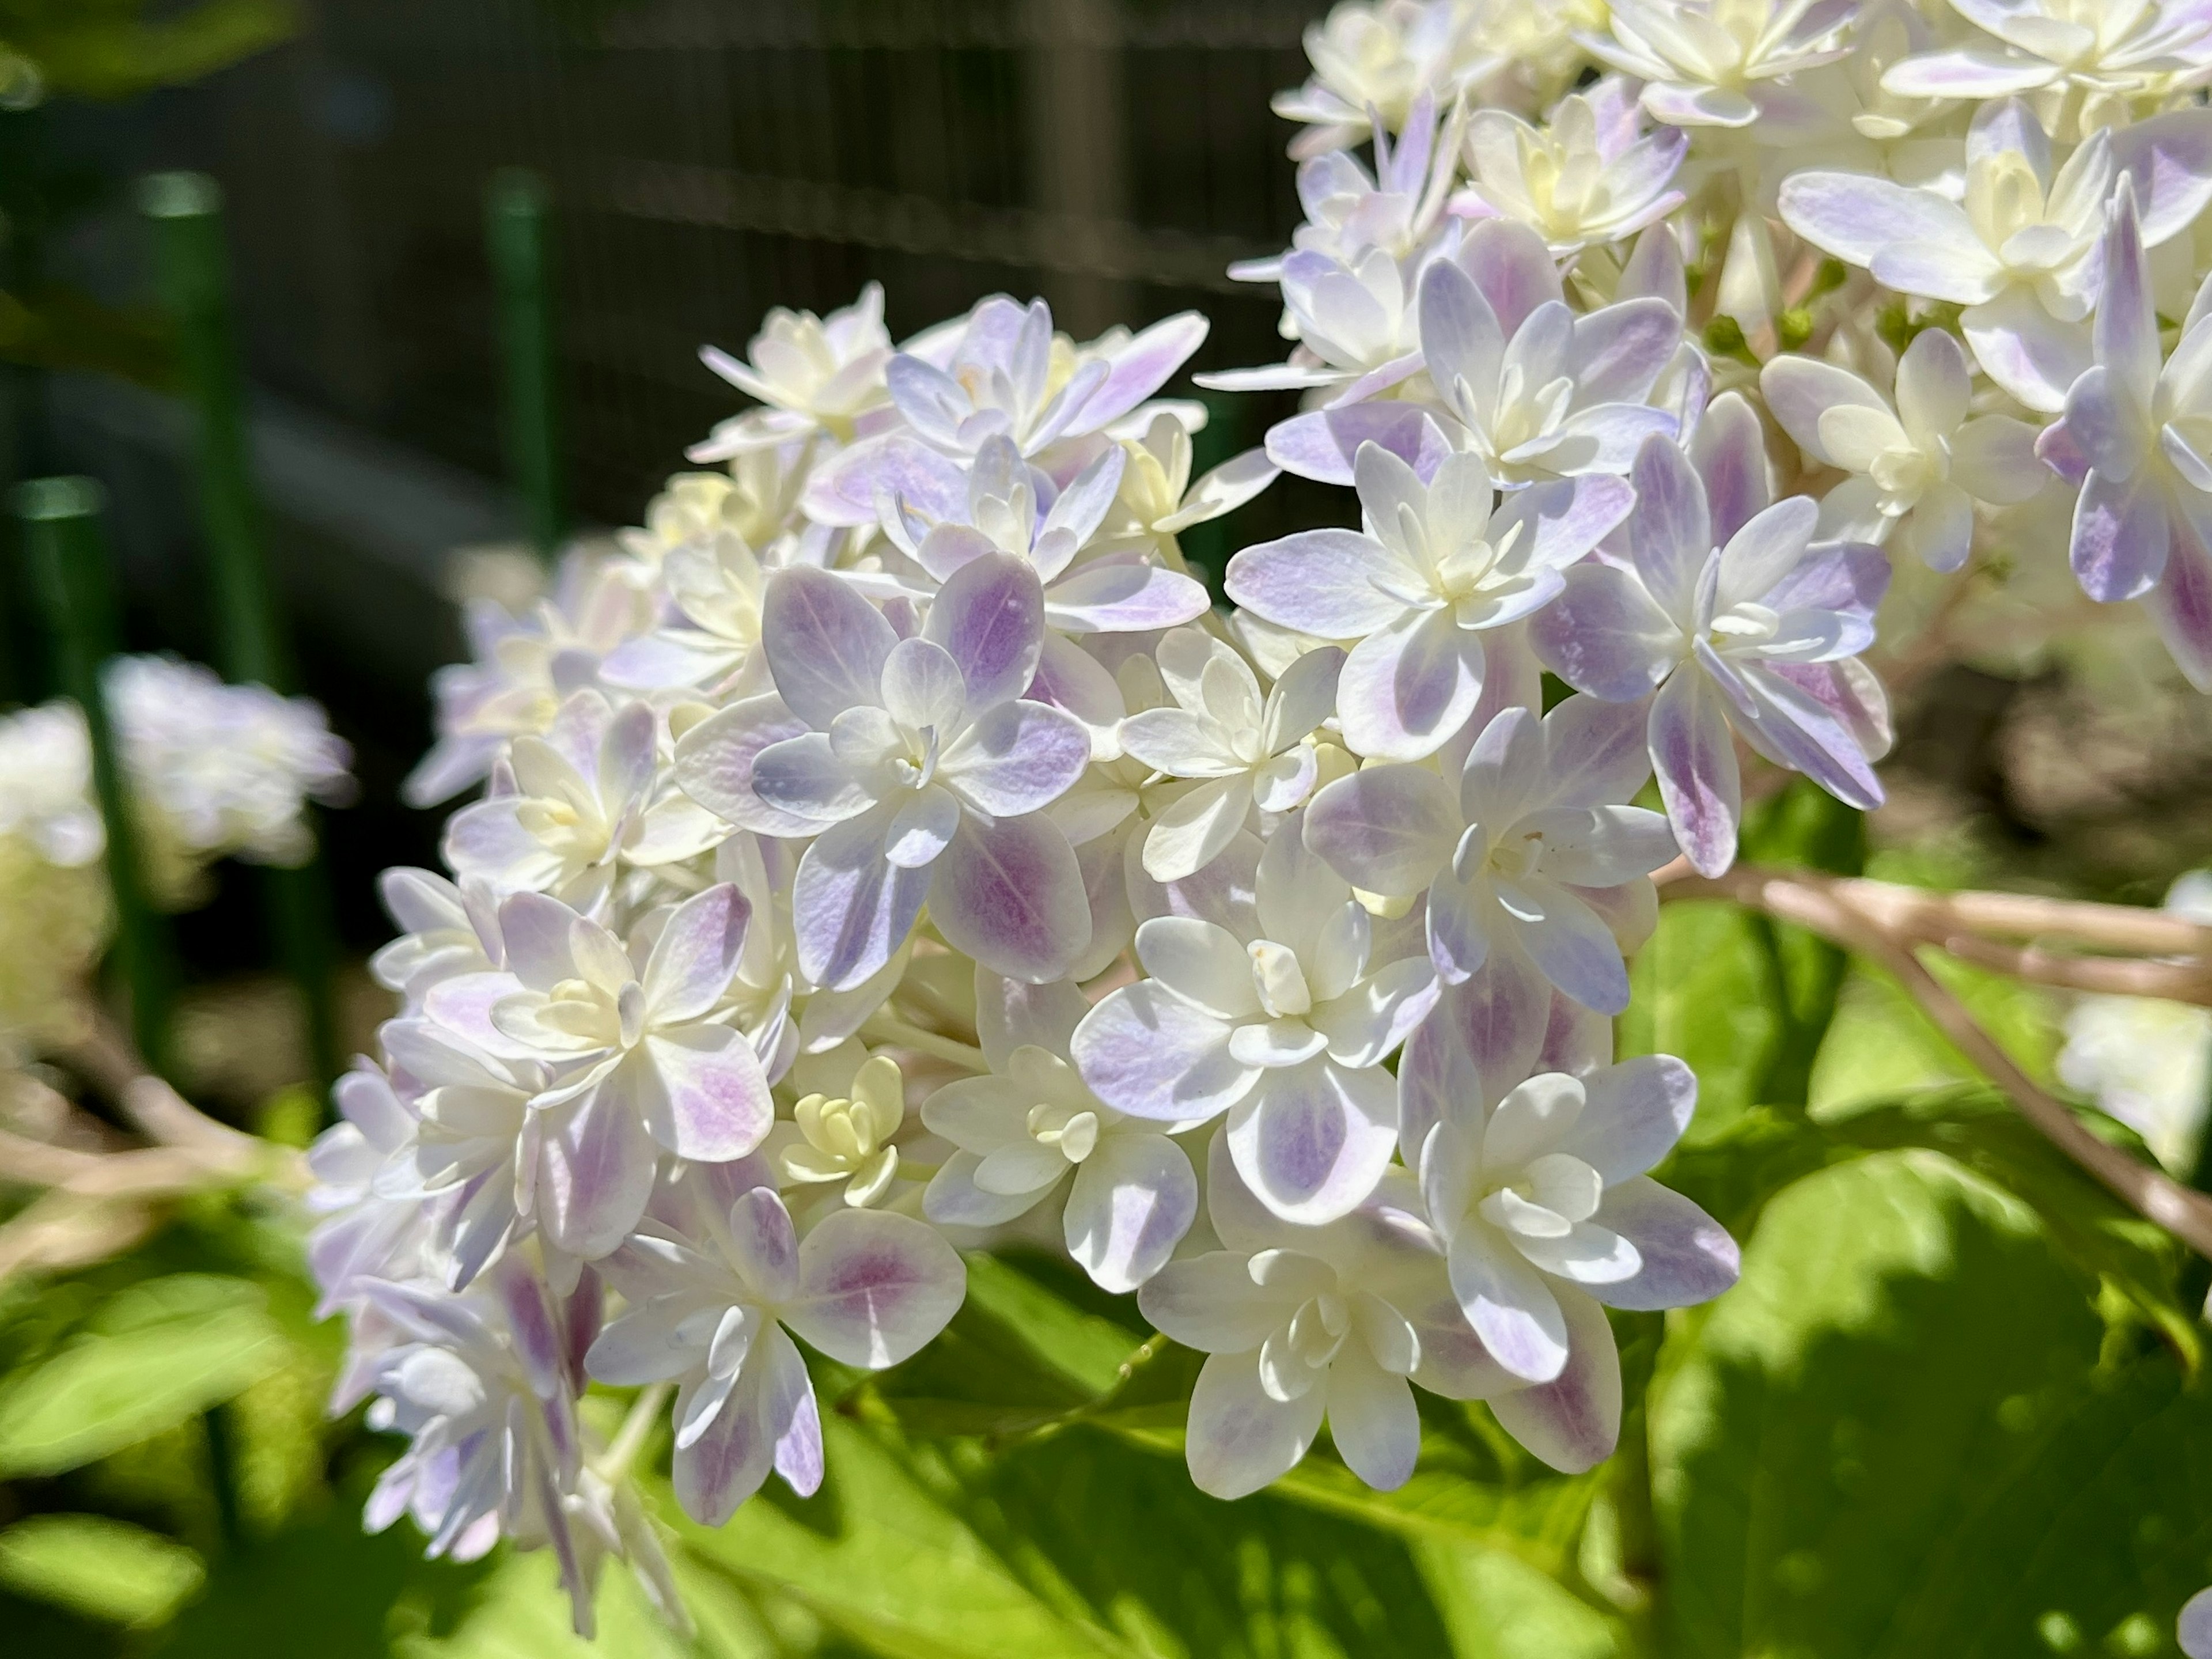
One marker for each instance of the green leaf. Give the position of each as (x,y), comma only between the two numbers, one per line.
(103,1569)
(1895,1437)
(109,48)
(151,1356)
(1704,992)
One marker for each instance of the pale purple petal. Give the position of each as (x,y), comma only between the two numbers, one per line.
(1239,1438)
(1572,1422)
(990,617)
(1565,940)
(1385,829)
(595,1173)
(1150,1053)
(1606,635)
(825,643)
(2122,535)
(1321,445)
(702,1094)
(1508,1303)
(1632,1115)
(1317,582)
(1140,368)
(851,908)
(1123,595)
(714,763)
(1010,895)
(1670,533)
(763,1245)
(1372,1419)
(2025,349)
(874,1287)
(1797,730)
(1693,760)
(1132,1201)
(1621,350)
(1312,1140)
(697,954)
(1018,757)
(1407,688)
(1687,1256)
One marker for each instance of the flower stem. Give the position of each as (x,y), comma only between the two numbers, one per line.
(889,1028)
(614,1463)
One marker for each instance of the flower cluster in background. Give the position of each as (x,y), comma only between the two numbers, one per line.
(213,771)
(888,849)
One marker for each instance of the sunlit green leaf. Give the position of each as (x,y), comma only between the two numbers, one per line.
(150,1356)
(104,1569)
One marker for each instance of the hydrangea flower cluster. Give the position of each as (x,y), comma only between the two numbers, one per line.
(215,771)
(890,849)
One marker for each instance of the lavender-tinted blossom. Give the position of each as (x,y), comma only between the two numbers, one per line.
(919,768)
(1533,855)
(2135,437)
(1303,1324)
(1709,62)
(1433,572)
(2018,253)
(1021,1128)
(813,373)
(643,1064)
(1918,465)
(1279,1012)
(715,1290)
(1744,633)
(1242,750)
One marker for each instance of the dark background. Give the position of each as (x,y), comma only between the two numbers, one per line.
(709,159)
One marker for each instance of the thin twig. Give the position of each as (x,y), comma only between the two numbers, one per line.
(1842,910)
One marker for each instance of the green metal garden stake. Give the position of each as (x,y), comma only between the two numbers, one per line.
(194,273)
(518,238)
(75,587)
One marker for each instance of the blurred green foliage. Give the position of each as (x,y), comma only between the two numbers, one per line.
(1955,1407)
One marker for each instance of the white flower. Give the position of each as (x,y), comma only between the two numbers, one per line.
(1378,57)
(2137,438)
(1248,751)
(710,1302)
(1703,61)
(523,669)
(1918,466)
(2111,51)
(845,1138)
(484,1389)
(1533,855)
(2019,252)
(224,769)
(815,373)
(1021,1129)
(1546,1192)
(2148,1063)
(712,577)
(1280,1012)
(642,1063)
(1432,573)
(45,785)
(1301,1324)
(569,809)
(1539,392)
(1588,176)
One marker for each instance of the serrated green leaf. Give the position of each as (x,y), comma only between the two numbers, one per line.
(1894,1438)
(151,1356)
(102,1568)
